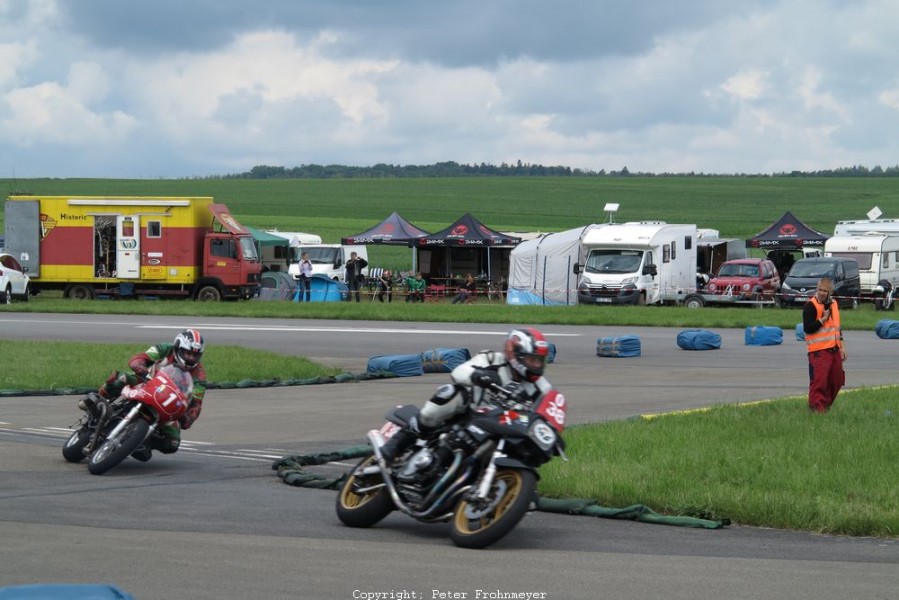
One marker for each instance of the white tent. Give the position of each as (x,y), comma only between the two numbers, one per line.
(541,271)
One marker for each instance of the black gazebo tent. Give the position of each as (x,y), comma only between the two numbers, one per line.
(788,235)
(465,246)
(393,230)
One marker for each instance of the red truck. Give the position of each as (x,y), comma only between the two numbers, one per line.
(86,246)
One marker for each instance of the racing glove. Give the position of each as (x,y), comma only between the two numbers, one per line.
(190,415)
(485,378)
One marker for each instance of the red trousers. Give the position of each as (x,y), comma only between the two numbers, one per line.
(826,377)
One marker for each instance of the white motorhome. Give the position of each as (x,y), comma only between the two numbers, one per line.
(884,226)
(876,253)
(646,262)
(328,259)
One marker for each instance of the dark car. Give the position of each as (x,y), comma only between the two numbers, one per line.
(746,279)
(803,277)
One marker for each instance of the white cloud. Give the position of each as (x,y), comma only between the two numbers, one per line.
(50,113)
(700,86)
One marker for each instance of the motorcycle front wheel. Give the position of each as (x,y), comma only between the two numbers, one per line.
(478,523)
(363,508)
(73,450)
(113,451)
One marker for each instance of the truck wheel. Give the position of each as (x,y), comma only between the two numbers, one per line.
(694,301)
(80,292)
(209,293)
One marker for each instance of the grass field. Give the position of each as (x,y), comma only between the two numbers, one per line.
(736,206)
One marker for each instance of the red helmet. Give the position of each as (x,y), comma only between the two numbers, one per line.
(526,351)
(188,349)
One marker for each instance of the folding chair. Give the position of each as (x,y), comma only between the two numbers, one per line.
(435,293)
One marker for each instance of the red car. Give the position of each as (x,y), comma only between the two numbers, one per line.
(747,279)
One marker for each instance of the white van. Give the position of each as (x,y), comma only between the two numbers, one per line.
(877,255)
(279,256)
(328,259)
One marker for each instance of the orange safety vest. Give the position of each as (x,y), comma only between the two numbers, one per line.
(829,334)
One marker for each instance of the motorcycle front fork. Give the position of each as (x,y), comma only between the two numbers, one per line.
(489,475)
(134,413)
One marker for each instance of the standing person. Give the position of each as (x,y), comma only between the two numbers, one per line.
(522,360)
(354,268)
(385,285)
(305,279)
(826,352)
(469,287)
(185,352)
(416,286)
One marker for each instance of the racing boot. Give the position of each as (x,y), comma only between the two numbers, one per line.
(397,444)
(89,404)
(142,454)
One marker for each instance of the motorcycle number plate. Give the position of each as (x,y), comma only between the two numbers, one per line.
(388,429)
(553,408)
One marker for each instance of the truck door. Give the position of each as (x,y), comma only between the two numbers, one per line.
(222,258)
(128,246)
(23,236)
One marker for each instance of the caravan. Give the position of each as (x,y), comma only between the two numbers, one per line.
(609,263)
(877,255)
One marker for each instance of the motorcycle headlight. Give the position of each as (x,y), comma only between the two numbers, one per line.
(543,435)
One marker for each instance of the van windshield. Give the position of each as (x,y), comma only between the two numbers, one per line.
(864,259)
(614,261)
(814,270)
(321,256)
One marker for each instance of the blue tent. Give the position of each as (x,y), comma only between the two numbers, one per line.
(324,289)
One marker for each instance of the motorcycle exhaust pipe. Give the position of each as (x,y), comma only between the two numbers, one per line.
(377,441)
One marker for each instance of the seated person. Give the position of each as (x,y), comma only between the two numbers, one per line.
(416,287)
(466,290)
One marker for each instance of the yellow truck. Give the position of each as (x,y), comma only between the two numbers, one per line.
(132,246)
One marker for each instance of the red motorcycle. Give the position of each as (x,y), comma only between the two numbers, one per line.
(111,430)
(478,471)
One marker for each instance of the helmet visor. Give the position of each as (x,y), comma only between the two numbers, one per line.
(190,358)
(534,363)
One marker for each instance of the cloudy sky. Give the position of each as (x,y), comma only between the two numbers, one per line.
(183,88)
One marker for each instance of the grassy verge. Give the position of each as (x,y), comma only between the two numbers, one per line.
(482,311)
(56,365)
(770,464)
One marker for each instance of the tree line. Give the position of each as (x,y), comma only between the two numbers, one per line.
(519,169)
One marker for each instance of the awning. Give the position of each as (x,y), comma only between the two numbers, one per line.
(266,239)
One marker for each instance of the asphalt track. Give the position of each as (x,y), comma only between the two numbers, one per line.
(214,521)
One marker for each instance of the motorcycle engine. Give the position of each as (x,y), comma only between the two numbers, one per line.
(417,474)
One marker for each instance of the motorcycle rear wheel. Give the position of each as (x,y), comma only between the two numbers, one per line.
(363,509)
(113,451)
(73,450)
(479,524)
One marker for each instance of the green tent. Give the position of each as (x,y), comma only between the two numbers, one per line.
(266,239)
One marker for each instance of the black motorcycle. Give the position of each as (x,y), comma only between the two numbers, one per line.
(478,471)
(882,295)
